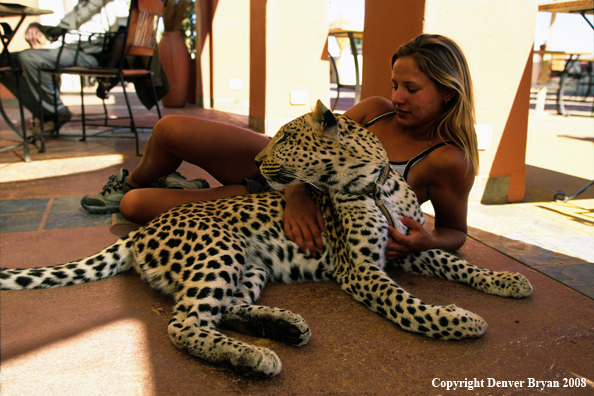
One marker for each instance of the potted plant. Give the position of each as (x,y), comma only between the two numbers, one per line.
(173,52)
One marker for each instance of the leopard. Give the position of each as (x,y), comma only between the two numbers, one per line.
(214,257)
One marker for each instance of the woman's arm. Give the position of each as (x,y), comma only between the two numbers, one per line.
(449,182)
(304,223)
(418,239)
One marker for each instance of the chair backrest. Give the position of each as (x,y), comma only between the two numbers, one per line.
(142,27)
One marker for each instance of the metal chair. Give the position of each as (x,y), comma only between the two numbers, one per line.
(6,35)
(137,40)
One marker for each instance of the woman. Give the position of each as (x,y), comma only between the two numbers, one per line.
(427,130)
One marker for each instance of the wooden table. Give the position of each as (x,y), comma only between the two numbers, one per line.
(7,33)
(575,6)
(352,35)
(570,59)
(582,7)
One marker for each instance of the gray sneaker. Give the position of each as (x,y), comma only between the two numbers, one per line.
(177,181)
(108,200)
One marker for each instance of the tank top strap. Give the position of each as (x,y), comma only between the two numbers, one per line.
(380,117)
(403,167)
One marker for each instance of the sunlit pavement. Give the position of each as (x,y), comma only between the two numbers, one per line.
(110,337)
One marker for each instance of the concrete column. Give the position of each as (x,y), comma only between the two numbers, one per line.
(289,69)
(223,55)
(497,39)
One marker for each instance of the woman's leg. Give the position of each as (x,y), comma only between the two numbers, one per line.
(144,204)
(225,151)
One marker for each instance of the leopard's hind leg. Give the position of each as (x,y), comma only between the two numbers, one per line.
(444,265)
(267,322)
(193,330)
(259,321)
(200,307)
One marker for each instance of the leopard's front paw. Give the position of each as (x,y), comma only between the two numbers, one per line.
(507,284)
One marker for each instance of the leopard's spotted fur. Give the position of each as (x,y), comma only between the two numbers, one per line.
(215,257)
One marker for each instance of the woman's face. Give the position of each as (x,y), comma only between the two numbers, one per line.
(416,99)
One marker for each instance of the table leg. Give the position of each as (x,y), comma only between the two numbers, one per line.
(356,59)
(562,82)
(586,18)
(333,62)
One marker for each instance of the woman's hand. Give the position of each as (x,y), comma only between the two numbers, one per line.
(417,239)
(304,223)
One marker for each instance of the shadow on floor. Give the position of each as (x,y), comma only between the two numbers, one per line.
(110,337)
(542,184)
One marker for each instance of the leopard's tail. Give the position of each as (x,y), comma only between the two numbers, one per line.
(110,261)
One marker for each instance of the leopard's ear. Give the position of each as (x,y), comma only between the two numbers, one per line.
(325,117)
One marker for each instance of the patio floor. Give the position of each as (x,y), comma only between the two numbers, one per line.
(110,337)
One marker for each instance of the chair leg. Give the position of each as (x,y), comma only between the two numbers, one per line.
(41,133)
(337,97)
(132,123)
(24,129)
(337,82)
(105,116)
(22,115)
(82,110)
(155,95)
(56,89)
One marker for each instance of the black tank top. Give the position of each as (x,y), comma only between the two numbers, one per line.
(403,167)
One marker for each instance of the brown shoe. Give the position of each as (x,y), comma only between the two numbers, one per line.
(48,126)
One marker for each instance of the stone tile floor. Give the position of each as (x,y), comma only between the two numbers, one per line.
(563,250)
(109,337)
(555,238)
(39,214)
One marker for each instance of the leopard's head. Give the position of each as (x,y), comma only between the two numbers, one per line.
(326,150)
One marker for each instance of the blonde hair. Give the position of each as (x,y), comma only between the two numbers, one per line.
(443,61)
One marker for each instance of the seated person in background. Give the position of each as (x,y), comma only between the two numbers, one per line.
(89,16)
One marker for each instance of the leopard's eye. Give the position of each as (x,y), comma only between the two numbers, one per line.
(283,136)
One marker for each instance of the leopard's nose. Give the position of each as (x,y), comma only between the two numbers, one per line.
(258,163)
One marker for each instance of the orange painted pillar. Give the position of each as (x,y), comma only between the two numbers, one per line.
(497,39)
(289,69)
(204,16)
